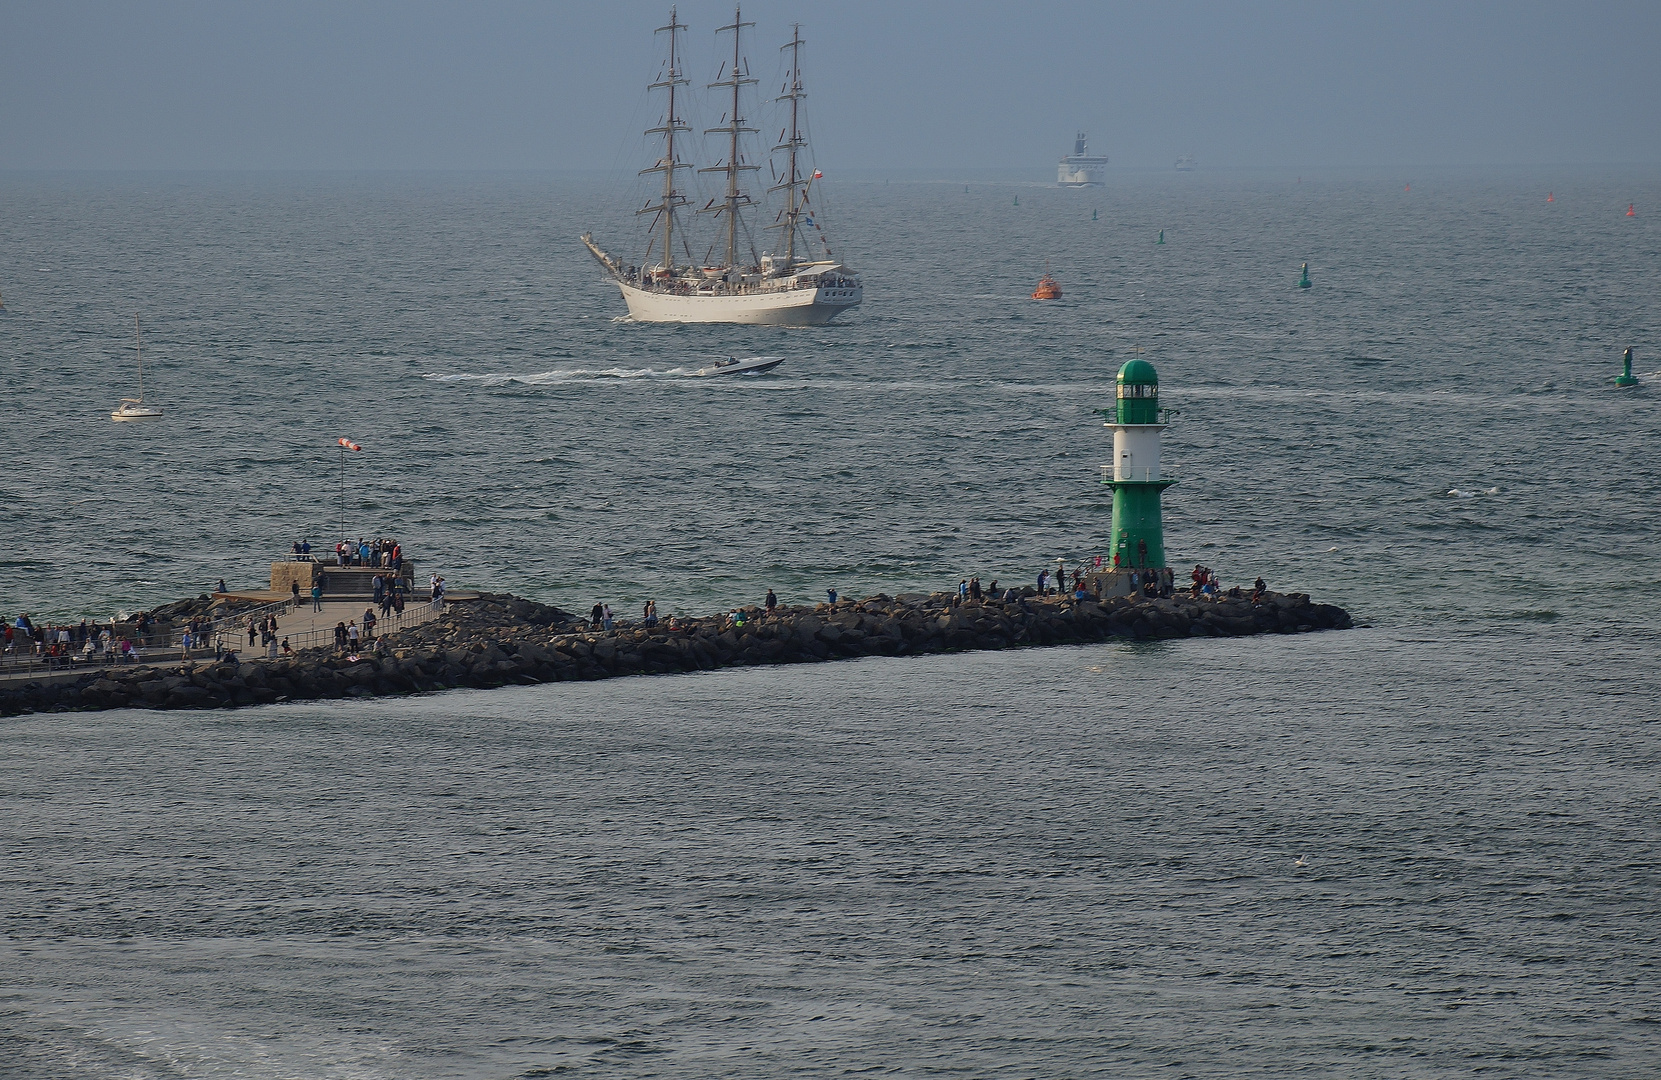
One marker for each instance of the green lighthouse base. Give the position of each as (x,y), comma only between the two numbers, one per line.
(1138,541)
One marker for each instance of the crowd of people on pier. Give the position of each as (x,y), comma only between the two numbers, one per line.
(379,552)
(72,643)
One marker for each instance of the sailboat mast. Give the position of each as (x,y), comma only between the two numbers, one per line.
(792,178)
(669,147)
(737,79)
(667,165)
(138,348)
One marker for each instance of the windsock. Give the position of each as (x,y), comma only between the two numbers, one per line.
(349,444)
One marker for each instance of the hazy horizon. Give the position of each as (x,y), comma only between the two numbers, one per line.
(518,86)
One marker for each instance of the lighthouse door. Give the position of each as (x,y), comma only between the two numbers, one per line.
(1124,465)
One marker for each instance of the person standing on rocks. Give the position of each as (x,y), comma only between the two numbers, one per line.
(340,637)
(369,622)
(352,636)
(606,617)
(253,632)
(1043,581)
(831,595)
(596,616)
(772,602)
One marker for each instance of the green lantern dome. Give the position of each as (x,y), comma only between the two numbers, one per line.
(1138,393)
(1138,373)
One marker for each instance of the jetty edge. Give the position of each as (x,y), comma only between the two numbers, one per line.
(496,639)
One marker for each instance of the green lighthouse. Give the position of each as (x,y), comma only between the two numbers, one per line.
(1138,540)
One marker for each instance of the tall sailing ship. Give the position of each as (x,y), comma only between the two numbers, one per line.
(787,286)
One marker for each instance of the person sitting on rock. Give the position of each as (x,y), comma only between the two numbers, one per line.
(1258,589)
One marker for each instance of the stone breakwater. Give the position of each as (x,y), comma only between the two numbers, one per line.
(499,640)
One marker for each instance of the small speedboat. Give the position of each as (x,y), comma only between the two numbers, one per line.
(1048,289)
(732,365)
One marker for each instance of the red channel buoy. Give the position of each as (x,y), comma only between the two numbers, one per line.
(1550,197)
(1631,210)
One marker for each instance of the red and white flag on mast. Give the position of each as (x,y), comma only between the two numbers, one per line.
(817,174)
(349,444)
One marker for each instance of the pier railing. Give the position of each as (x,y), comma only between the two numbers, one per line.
(322,636)
(222,636)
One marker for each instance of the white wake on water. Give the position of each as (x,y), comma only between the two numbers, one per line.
(556,376)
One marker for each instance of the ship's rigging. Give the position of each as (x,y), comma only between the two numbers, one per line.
(786,285)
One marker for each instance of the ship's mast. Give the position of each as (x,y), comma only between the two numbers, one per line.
(138,350)
(734,128)
(792,176)
(669,162)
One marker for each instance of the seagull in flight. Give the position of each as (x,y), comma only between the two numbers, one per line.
(1302,861)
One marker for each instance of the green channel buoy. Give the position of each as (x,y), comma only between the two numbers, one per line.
(1626,378)
(1161,239)
(1092,215)
(1304,282)
(1017,200)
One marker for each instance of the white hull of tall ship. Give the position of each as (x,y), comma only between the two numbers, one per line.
(767,307)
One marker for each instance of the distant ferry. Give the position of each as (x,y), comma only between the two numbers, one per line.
(1080,169)
(1186,163)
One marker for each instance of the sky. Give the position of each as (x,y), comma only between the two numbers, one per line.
(896,85)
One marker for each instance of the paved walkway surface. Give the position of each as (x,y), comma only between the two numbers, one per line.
(306,628)
(304,620)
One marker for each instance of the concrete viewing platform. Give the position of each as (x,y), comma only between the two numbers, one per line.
(309,570)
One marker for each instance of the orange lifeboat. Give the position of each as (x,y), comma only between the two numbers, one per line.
(1047,289)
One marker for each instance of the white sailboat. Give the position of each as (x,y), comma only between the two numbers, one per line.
(135,408)
(765,288)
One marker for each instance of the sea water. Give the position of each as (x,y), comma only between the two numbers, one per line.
(1424,847)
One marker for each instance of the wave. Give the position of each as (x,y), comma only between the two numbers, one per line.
(556,376)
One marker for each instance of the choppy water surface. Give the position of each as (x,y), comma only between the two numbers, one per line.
(1059,862)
